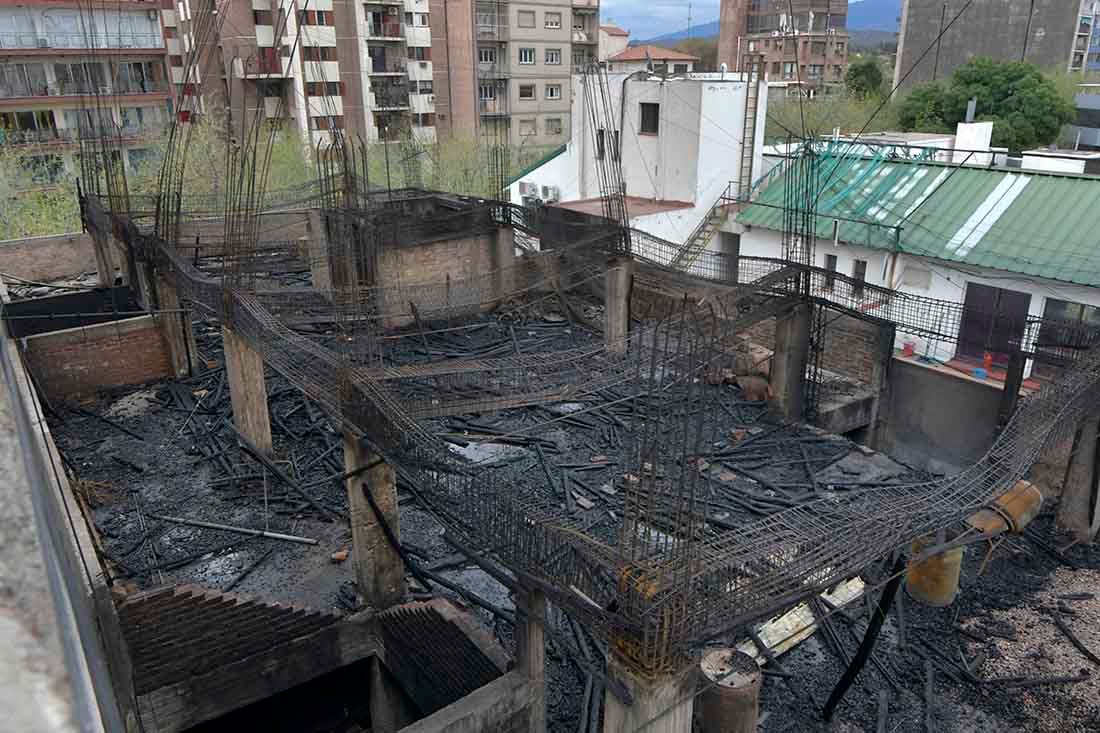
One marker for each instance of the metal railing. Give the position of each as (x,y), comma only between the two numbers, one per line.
(80,40)
(491,107)
(385,30)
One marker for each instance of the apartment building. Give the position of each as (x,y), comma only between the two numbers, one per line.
(1049,34)
(799,42)
(67,72)
(363,67)
(518,88)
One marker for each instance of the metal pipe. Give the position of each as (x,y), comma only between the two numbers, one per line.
(241,530)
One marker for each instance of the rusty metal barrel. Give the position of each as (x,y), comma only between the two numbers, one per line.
(731,700)
(935,580)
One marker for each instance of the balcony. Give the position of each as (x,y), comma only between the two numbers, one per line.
(79,41)
(492,31)
(390,97)
(70,136)
(583,36)
(492,70)
(382,65)
(390,31)
(493,107)
(586,4)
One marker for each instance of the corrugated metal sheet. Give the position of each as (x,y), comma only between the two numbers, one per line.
(1038,224)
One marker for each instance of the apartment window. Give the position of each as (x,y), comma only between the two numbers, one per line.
(752,46)
(408,18)
(421,20)
(578,22)
(527,128)
(525,18)
(261,17)
(788,69)
(486,92)
(817,48)
(859,274)
(615,142)
(323,89)
(553,91)
(425,87)
(601,145)
(329,122)
(420,53)
(837,71)
(817,71)
(552,20)
(426,119)
(651,115)
(830,275)
(680,68)
(26,80)
(526,91)
(775,68)
(487,55)
(1062,320)
(553,56)
(324,17)
(553,125)
(43,169)
(527,55)
(839,49)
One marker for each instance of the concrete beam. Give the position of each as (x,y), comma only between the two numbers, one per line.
(317,251)
(244,366)
(792,348)
(880,384)
(618,285)
(500,705)
(1014,380)
(379,570)
(664,705)
(176,328)
(104,263)
(531,652)
(504,260)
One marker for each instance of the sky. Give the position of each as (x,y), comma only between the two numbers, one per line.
(650,18)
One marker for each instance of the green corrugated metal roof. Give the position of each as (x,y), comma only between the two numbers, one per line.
(1041,224)
(544,159)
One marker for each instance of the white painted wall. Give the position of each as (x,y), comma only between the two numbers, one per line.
(611,45)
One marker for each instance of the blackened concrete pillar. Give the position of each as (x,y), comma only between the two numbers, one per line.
(504,260)
(619,282)
(175,327)
(792,347)
(662,705)
(1079,491)
(379,569)
(531,651)
(317,252)
(244,367)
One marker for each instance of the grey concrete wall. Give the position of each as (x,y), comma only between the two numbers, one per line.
(938,420)
(502,706)
(43,259)
(994,28)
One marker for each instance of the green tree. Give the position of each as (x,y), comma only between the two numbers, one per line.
(705,48)
(1026,108)
(864,77)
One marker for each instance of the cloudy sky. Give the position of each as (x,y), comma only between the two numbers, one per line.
(650,18)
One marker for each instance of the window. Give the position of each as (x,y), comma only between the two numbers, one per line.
(425,87)
(487,55)
(424,120)
(527,55)
(839,49)
(486,92)
(334,122)
(578,22)
(1061,324)
(552,20)
(614,144)
(775,68)
(553,91)
(421,20)
(680,68)
(816,71)
(525,18)
(817,48)
(43,169)
(324,17)
(600,145)
(420,53)
(527,128)
(553,56)
(553,125)
(261,17)
(322,89)
(752,46)
(837,71)
(651,114)
(788,69)
(408,18)
(859,274)
(526,91)
(318,53)
(830,277)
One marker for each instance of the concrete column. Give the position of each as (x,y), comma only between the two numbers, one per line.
(664,705)
(379,570)
(1079,491)
(387,703)
(792,347)
(619,282)
(104,263)
(244,366)
(531,651)
(504,260)
(176,329)
(317,251)
(880,385)
(1014,380)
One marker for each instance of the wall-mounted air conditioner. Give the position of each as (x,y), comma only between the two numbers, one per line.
(551,194)
(151,14)
(43,42)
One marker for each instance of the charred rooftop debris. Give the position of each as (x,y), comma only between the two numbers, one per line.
(411,394)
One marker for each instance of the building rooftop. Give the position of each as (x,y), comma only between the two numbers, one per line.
(655,53)
(614,30)
(1027,222)
(635,206)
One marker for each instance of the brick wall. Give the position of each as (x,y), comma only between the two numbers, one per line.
(78,362)
(48,258)
(849,347)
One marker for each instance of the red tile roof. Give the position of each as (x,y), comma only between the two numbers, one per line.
(614,30)
(656,53)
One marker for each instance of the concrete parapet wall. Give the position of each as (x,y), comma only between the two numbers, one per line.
(502,706)
(78,362)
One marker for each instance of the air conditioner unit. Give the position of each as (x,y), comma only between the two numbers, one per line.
(392,11)
(151,14)
(551,194)
(43,42)
(526,188)
(423,64)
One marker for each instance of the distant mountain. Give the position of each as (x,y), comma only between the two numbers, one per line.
(874,15)
(704,30)
(869,15)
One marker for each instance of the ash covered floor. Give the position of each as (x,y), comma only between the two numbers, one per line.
(168,450)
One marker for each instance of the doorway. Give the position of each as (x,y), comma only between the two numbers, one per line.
(993,320)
